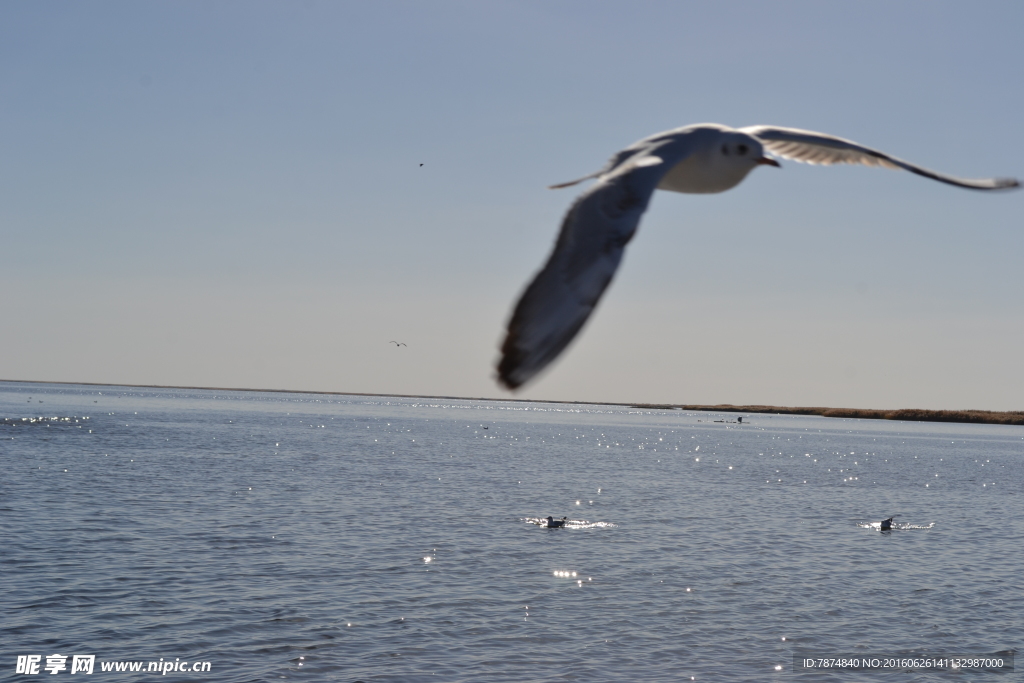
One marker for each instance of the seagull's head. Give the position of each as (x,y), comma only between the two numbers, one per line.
(722,158)
(742,151)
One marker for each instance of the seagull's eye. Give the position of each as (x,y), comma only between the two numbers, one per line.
(725,150)
(742,149)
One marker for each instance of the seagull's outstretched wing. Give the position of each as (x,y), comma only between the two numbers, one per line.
(818,148)
(590,245)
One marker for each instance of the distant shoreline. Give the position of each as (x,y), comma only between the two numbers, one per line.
(1011,417)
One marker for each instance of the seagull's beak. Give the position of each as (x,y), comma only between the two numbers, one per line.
(768,161)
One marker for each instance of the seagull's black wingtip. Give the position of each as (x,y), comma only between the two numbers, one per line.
(508,372)
(505,380)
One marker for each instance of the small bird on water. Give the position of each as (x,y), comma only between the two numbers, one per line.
(698,159)
(554,523)
(885,525)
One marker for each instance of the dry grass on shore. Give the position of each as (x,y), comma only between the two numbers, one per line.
(1015,417)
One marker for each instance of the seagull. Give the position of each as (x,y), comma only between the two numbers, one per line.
(699,159)
(397,344)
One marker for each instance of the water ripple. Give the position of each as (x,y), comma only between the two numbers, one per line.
(280,536)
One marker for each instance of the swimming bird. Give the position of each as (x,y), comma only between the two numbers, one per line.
(698,159)
(885,524)
(554,523)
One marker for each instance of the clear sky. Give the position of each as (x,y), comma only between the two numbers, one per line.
(231,194)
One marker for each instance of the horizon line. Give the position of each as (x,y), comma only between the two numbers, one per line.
(1009,417)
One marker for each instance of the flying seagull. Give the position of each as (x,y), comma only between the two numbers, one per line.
(397,344)
(697,159)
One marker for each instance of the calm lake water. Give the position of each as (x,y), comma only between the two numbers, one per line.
(345,538)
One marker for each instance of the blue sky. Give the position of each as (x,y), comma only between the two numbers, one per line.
(230,194)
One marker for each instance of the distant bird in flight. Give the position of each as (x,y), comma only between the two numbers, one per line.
(421,164)
(698,159)
(397,344)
